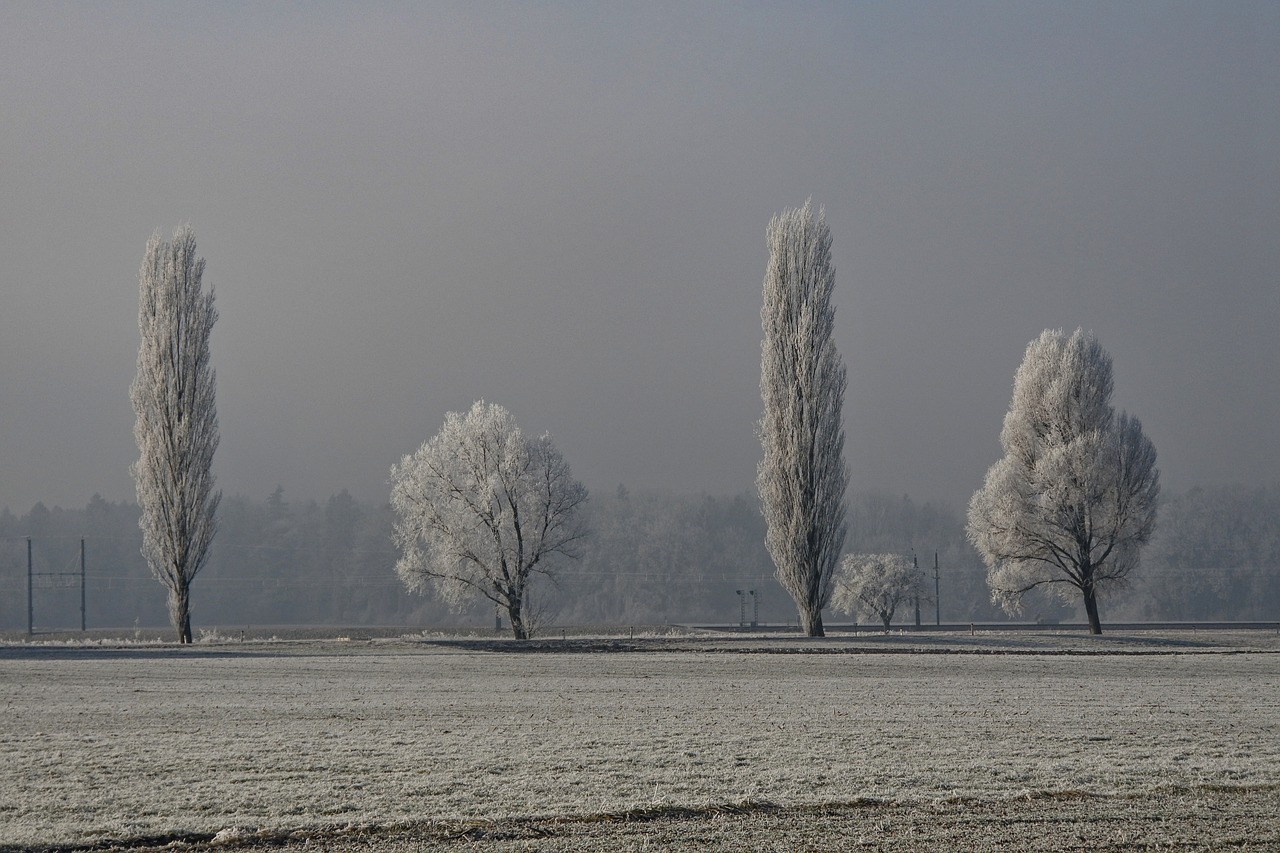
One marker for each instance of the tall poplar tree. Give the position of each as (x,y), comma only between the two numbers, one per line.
(177,421)
(802,477)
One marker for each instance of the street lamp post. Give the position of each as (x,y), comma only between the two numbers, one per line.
(937,593)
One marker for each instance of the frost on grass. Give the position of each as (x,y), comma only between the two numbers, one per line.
(123,743)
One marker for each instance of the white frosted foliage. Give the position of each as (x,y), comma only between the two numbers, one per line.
(802,477)
(1074,498)
(480,508)
(177,420)
(876,585)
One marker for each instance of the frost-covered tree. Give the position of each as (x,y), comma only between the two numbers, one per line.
(802,477)
(480,508)
(1074,498)
(177,421)
(875,585)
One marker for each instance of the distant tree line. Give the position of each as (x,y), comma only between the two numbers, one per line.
(1215,555)
(652,558)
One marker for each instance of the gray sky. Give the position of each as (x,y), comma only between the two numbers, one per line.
(561,207)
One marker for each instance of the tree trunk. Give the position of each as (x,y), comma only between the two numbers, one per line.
(180,612)
(518,629)
(1091,608)
(811,622)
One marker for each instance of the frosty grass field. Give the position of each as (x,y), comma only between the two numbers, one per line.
(693,736)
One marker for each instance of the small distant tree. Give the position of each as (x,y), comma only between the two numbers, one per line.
(1074,498)
(802,477)
(876,585)
(481,508)
(177,421)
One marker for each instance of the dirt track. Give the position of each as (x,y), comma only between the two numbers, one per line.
(1196,820)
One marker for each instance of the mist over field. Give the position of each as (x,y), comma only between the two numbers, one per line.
(652,558)
(407,208)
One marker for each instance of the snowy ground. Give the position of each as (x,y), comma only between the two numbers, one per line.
(117,743)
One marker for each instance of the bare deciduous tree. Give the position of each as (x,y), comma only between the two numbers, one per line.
(876,585)
(480,508)
(802,477)
(177,421)
(1074,498)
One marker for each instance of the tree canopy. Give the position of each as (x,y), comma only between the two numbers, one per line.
(802,477)
(481,507)
(1074,498)
(876,585)
(177,420)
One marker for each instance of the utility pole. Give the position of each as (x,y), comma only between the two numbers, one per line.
(915,564)
(937,596)
(742,610)
(82,609)
(755,609)
(30,599)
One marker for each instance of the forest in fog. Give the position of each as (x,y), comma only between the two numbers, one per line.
(651,558)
